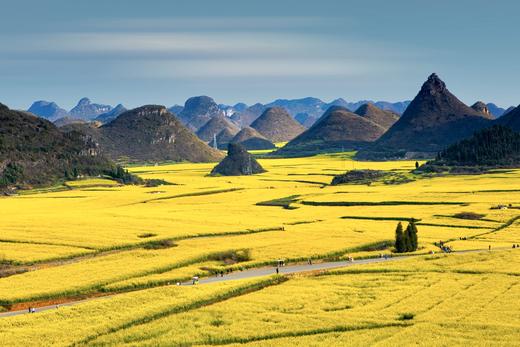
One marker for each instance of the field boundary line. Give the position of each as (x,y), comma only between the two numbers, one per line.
(216,298)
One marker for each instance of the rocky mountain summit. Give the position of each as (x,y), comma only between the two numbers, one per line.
(87,110)
(433,120)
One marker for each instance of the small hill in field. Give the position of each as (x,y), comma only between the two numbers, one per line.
(238,162)
(381,117)
(215,126)
(338,129)
(277,125)
(434,120)
(251,139)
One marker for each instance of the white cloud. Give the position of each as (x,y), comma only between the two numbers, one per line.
(264,23)
(153,43)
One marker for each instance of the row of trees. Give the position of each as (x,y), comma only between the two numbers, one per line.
(406,241)
(497,145)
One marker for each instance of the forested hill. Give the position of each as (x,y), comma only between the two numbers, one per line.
(497,146)
(33,152)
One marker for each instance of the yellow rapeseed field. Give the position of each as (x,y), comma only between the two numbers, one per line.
(92,237)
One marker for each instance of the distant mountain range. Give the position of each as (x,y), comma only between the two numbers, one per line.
(429,123)
(84,110)
(34,151)
(198,110)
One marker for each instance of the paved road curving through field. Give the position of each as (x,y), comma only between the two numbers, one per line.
(250,273)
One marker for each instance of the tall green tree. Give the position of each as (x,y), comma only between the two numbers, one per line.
(414,240)
(400,245)
(408,246)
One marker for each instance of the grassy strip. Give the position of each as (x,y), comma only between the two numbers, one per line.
(353,271)
(145,244)
(46,243)
(215,341)
(377,203)
(126,247)
(404,219)
(296,181)
(497,191)
(304,222)
(100,286)
(208,192)
(284,202)
(507,224)
(311,174)
(219,297)
(503,226)
(52,189)
(454,226)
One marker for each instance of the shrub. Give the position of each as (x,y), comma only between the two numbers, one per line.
(231,257)
(146,235)
(469,215)
(159,244)
(154,182)
(406,316)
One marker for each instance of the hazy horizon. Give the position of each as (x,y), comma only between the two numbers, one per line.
(163,52)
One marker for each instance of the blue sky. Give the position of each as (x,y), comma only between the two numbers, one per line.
(141,52)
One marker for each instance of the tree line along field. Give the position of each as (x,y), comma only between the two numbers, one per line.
(93,237)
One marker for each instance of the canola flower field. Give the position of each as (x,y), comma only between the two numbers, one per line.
(93,237)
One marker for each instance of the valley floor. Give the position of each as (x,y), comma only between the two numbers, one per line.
(94,238)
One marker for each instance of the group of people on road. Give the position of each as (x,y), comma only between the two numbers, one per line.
(445,249)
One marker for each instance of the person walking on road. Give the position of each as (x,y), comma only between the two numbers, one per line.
(277,270)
